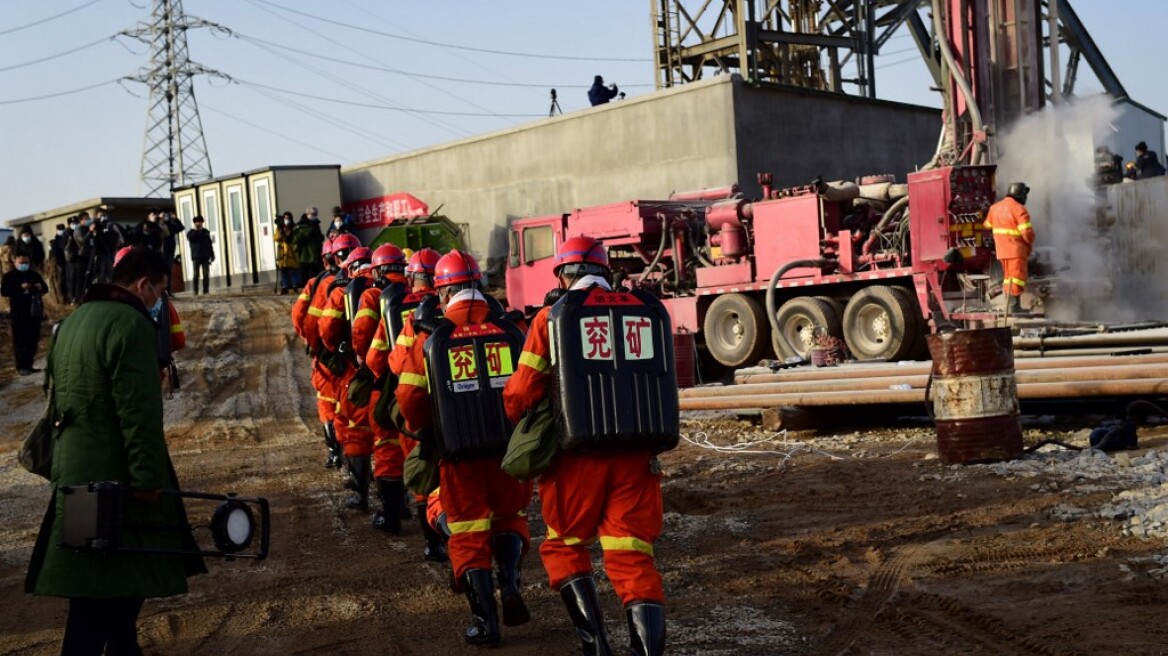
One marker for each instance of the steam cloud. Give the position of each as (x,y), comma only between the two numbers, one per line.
(1052,151)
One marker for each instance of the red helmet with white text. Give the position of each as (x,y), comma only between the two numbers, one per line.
(391,257)
(343,244)
(423,262)
(357,256)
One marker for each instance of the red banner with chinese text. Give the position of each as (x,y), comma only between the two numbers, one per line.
(376,212)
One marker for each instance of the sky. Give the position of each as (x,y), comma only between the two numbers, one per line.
(326,81)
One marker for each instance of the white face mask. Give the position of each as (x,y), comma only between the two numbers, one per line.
(26,239)
(60,232)
(338,223)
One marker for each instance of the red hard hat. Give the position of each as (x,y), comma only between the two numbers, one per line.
(121,253)
(388,254)
(581,250)
(423,261)
(345,241)
(327,247)
(455,268)
(357,255)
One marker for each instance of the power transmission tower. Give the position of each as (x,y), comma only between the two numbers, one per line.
(174,152)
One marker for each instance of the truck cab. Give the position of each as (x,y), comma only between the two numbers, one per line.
(531,250)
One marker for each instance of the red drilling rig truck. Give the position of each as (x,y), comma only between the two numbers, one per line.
(774,275)
(873,263)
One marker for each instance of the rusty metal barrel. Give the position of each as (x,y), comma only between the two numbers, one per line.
(975,396)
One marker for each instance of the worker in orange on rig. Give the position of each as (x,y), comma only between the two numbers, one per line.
(448,393)
(354,431)
(1013,241)
(388,267)
(605,482)
(387,353)
(305,313)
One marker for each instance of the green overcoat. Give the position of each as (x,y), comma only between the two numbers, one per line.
(109,401)
(307,239)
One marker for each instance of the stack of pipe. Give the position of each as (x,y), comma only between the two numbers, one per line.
(891,383)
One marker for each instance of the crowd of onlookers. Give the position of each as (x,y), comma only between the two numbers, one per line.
(298,244)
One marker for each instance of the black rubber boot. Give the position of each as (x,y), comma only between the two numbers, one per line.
(404,503)
(508,551)
(583,604)
(333,461)
(360,470)
(388,519)
(646,628)
(1014,305)
(484,622)
(435,550)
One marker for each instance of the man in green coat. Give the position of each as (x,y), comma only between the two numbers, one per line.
(308,240)
(108,402)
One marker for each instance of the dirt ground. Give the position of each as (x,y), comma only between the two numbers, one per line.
(850,542)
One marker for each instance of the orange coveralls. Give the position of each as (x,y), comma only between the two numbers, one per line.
(479,499)
(611,495)
(316,291)
(391,357)
(353,422)
(387,453)
(1013,240)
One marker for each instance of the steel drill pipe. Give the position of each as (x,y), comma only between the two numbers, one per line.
(885,370)
(1027,391)
(1060,375)
(1155,337)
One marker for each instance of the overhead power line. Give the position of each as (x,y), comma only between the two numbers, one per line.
(58,55)
(390,69)
(50,18)
(453,46)
(270,131)
(60,93)
(410,110)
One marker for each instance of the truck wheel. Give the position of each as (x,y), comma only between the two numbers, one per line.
(736,330)
(879,324)
(918,327)
(797,319)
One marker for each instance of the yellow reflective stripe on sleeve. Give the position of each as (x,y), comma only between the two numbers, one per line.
(1014,281)
(176,328)
(314,311)
(332,314)
(417,380)
(535,362)
(1025,226)
(366,313)
(552,534)
(610,543)
(405,341)
(470,526)
(1007,231)
(394,442)
(304,297)
(322,397)
(379,345)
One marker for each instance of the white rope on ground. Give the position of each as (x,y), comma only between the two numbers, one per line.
(702,439)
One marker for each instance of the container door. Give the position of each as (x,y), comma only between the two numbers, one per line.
(235,221)
(211,214)
(261,190)
(186,212)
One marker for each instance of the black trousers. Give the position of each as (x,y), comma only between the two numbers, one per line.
(75,280)
(25,335)
(95,625)
(202,267)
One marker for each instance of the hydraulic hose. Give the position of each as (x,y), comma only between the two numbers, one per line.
(820,264)
(893,211)
(959,78)
(657,257)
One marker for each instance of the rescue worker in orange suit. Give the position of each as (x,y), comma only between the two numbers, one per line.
(386,358)
(1013,241)
(305,313)
(389,263)
(613,495)
(485,508)
(352,422)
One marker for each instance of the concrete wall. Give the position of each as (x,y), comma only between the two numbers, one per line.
(705,134)
(1139,237)
(799,135)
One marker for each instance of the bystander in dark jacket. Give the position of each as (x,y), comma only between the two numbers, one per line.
(31,247)
(24,289)
(60,266)
(598,94)
(202,254)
